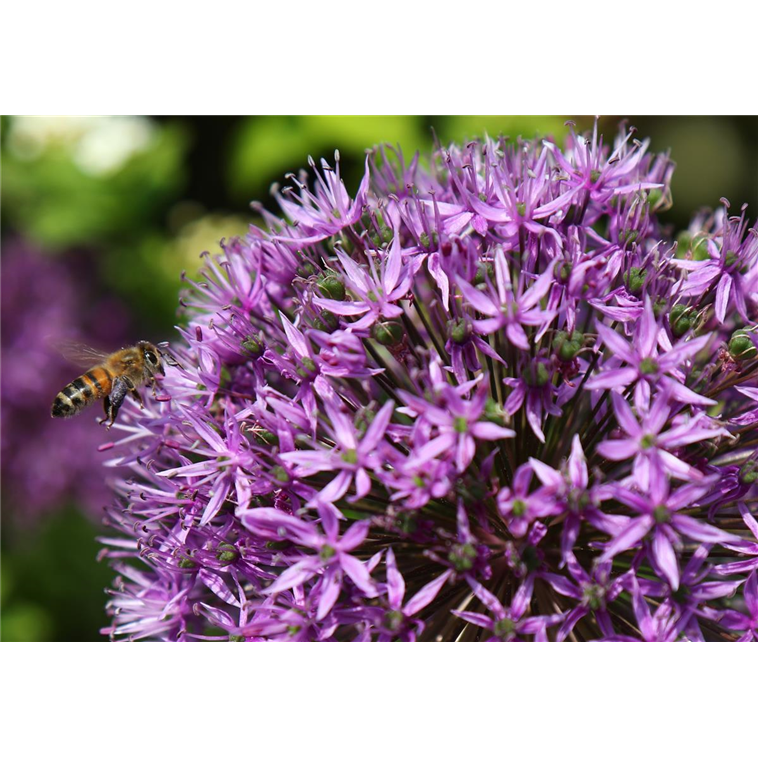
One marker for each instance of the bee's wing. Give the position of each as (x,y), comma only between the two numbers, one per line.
(81,355)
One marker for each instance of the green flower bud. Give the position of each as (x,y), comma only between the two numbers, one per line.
(306,270)
(648,366)
(661,514)
(280,474)
(681,319)
(566,347)
(227,553)
(277,545)
(326,321)
(594,597)
(564,272)
(537,375)
(388,333)
(636,280)
(647,441)
(493,412)
(266,436)
(484,271)
(332,287)
(521,208)
(253,346)
(393,620)
(659,307)
(350,456)
(654,197)
(627,236)
(749,472)
(519,508)
(741,346)
(700,249)
(459,330)
(462,557)
(504,628)
(683,244)
(185,562)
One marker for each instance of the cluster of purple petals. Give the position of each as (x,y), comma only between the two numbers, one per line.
(488,398)
(46,300)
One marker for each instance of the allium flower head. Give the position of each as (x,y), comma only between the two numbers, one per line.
(491,400)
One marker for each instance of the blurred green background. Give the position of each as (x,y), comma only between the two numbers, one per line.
(121,206)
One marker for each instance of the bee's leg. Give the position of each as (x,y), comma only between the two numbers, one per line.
(116,399)
(134,391)
(106,410)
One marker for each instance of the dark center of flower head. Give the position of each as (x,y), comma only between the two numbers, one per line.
(648,366)
(661,514)
(504,628)
(681,595)
(530,558)
(393,620)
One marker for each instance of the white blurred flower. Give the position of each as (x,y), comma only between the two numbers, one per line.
(99,145)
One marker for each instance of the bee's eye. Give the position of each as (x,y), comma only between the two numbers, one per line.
(152,357)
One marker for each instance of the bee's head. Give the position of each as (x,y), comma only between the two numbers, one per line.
(152,355)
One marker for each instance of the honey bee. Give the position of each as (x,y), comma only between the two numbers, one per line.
(111,379)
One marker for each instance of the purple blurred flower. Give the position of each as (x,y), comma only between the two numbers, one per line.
(45,300)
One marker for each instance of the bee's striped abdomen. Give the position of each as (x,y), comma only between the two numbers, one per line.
(91,386)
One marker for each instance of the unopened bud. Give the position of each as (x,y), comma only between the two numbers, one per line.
(332,287)
(388,333)
(741,346)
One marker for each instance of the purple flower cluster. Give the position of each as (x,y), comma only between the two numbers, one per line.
(491,399)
